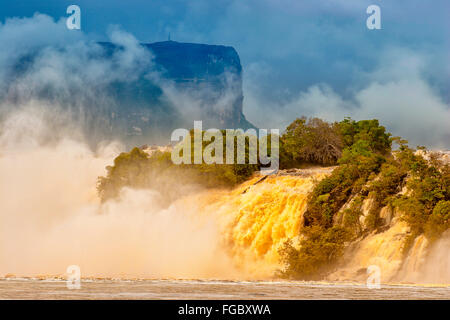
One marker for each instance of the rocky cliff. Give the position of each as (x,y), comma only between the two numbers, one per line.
(137,93)
(185,82)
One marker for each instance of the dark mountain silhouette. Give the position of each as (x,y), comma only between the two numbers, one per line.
(175,84)
(204,81)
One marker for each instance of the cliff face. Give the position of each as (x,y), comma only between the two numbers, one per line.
(186,82)
(211,71)
(424,262)
(266,214)
(136,93)
(189,62)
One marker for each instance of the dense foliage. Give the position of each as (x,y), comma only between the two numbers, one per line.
(369,170)
(140,170)
(426,205)
(315,141)
(365,145)
(310,141)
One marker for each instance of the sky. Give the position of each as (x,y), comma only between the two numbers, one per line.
(300,57)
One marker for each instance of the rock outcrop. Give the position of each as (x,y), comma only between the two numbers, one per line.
(138,93)
(186,82)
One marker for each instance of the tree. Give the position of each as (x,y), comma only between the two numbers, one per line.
(311,141)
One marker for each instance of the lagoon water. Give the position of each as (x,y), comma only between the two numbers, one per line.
(207,289)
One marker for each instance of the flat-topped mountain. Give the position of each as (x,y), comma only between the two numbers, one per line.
(137,93)
(194,62)
(188,82)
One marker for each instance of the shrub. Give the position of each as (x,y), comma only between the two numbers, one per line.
(319,248)
(439,220)
(367,147)
(310,141)
(351,216)
(137,169)
(425,206)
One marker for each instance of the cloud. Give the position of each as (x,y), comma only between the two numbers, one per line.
(305,42)
(51,55)
(46,68)
(98,94)
(294,64)
(408,108)
(397,93)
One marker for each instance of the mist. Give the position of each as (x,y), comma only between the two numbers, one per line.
(51,216)
(53,148)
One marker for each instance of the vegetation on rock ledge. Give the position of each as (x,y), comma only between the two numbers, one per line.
(369,170)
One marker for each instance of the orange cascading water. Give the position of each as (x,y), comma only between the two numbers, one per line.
(259,216)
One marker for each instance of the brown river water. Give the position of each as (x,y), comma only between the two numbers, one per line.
(199,289)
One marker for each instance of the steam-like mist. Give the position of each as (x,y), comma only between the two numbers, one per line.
(428,263)
(53,99)
(51,217)
(436,268)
